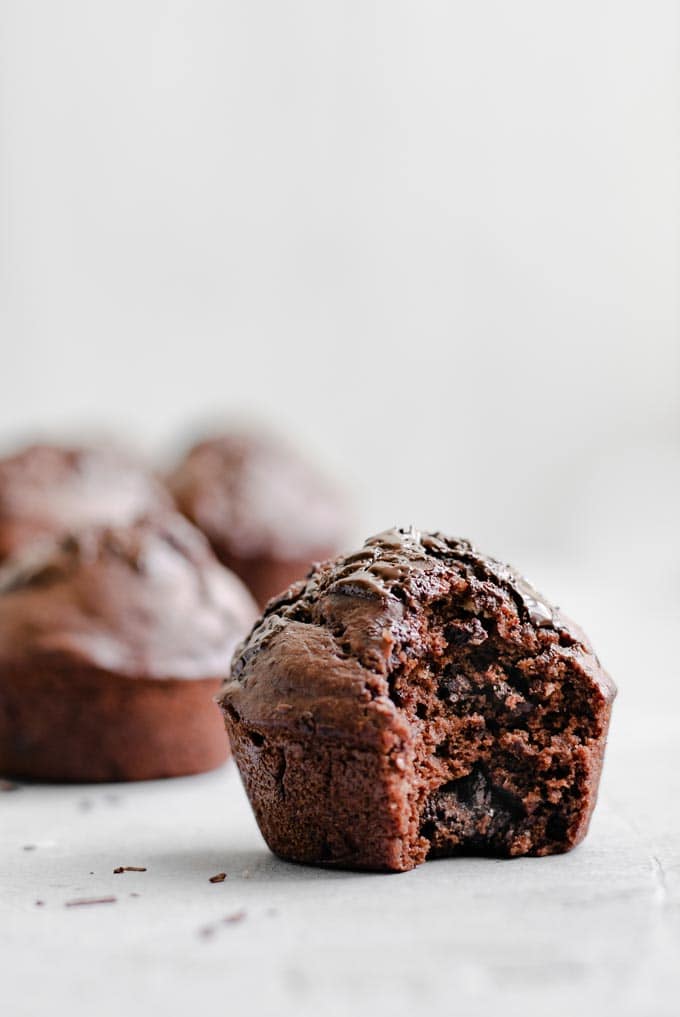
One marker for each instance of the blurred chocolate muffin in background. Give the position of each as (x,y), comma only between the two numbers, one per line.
(417,699)
(47,490)
(266,511)
(113,643)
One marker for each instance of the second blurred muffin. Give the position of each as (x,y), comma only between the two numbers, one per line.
(267,513)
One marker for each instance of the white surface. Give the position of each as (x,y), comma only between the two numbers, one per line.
(599,928)
(593,932)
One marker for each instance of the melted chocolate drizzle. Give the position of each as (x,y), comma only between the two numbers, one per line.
(390,557)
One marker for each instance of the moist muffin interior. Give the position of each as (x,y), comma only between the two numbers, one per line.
(497,730)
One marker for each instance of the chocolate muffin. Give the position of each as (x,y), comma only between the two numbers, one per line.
(417,700)
(113,643)
(49,490)
(266,512)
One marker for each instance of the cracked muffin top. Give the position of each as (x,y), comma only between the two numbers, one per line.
(366,615)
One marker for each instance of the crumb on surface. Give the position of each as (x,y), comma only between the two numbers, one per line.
(208,931)
(83,901)
(232,919)
(218,878)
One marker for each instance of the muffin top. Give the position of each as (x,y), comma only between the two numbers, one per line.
(51,490)
(253,496)
(333,642)
(148,600)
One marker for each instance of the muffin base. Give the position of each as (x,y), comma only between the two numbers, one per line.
(82,725)
(325,803)
(320,802)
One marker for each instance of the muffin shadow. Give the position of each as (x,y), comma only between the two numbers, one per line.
(243,865)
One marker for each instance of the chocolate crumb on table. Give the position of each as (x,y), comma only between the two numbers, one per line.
(83,901)
(415,700)
(219,878)
(208,931)
(129,868)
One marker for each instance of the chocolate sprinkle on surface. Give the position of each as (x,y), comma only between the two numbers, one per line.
(129,868)
(208,931)
(82,901)
(219,878)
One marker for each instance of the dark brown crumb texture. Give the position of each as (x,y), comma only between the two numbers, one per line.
(417,700)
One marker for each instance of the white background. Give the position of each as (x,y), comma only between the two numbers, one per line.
(437,243)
